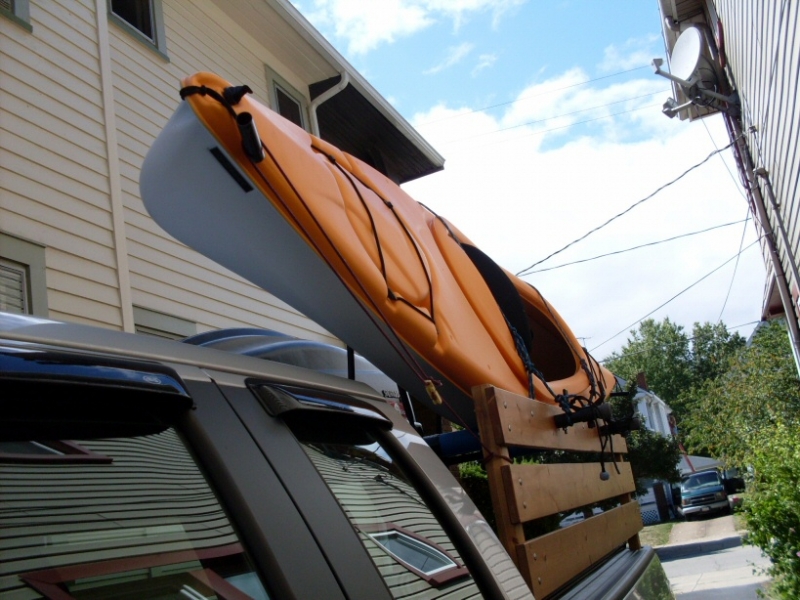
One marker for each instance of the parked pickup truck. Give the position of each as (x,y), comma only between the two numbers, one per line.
(135,467)
(703,493)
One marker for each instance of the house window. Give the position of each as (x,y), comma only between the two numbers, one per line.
(17,11)
(23,289)
(286,100)
(14,295)
(143,19)
(156,324)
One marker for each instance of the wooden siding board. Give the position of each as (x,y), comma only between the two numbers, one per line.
(84,86)
(29,158)
(81,117)
(75,43)
(36,117)
(77,307)
(36,143)
(30,193)
(242,60)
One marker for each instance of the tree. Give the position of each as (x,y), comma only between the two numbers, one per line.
(662,352)
(750,416)
(673,362)
(759,389)
(712,348)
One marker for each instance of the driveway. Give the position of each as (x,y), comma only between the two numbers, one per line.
(706,560)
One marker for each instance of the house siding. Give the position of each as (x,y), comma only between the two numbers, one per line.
(57,187)
(762,45)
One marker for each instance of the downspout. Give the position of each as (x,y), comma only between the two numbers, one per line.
(324,97)
(746,166)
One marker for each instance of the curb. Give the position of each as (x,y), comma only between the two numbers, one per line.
(666,553)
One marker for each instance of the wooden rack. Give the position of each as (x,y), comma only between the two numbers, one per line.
(524,492)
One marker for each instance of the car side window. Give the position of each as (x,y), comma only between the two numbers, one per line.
(411,550)
(142,522)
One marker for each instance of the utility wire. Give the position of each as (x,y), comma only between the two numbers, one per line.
(665,346)
(485,108)
(675,296)
(574,112)
(540,132)
(627,210)
(677,237)
(735,268)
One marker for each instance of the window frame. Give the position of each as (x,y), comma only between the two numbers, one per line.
(436,578)
(19,14)
(158,43)
(275,82)
(31,256)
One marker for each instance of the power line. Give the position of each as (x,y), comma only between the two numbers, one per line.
(677,237)
(691,339)
(735,267)
(627,210)
(574,112)
(566,87)
(675,296)
(543,131)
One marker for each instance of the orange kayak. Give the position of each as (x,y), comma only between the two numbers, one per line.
(347,247)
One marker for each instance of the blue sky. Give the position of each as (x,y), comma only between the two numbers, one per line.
(549,118)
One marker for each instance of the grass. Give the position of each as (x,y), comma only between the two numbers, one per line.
(656,535)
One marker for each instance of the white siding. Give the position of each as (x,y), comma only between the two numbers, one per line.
(762,43)
(53,166)
(55,186)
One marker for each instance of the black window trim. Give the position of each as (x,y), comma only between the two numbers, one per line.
(158,43)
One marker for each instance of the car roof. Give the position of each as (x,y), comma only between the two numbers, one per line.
(34,330)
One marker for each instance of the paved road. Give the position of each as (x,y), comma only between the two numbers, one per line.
(705,560)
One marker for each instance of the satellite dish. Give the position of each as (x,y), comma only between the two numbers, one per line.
(698,77)
(686,55)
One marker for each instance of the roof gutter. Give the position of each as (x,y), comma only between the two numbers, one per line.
(324,97)
(324,47)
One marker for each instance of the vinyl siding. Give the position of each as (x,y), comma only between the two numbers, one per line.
(762,43)
(53,166)
(55,187)
(165,275)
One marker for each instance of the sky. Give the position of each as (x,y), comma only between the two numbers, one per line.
(548,115)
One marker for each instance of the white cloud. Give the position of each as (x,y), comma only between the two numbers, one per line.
(455,54)
(484,62)
(365,25)
(635,52)
(521,197)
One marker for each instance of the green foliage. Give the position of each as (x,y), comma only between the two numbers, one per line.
(759,389)
(653,456)
(674,362)
(662,352)
(750,416)
(773,505)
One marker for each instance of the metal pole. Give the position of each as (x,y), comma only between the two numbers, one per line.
(746,166)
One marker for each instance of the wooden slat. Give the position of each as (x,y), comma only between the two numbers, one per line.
(557,557)
(510,535)
(521,421)
(539,490)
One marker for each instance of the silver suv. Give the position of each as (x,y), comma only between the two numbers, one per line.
(133,467)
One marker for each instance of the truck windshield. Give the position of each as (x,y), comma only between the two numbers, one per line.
(701,480)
